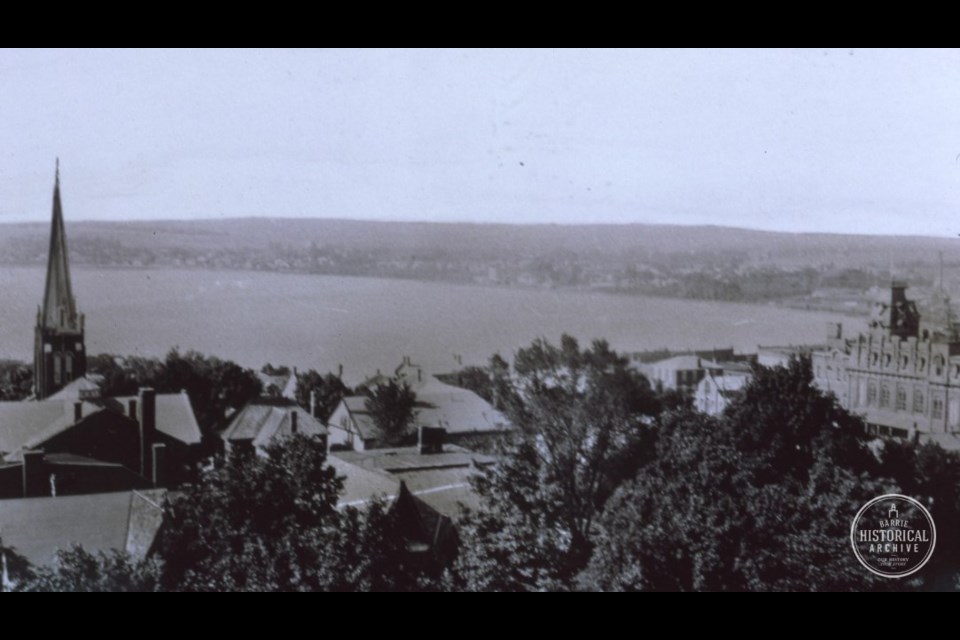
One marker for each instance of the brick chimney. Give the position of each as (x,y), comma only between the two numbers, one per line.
(35,480)
(147,421)
(430,440)
(159,465)
(294,423)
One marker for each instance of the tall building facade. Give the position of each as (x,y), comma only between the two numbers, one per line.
(60,353)
(903,374)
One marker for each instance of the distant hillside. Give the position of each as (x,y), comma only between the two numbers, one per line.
(678,261)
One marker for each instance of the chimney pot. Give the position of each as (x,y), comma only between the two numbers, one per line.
(430,439)
(35,480)
(148,428)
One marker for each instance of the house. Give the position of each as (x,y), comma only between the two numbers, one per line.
(351,426)
(780,356)
(461,413)
(60,447)
(264,420)
(279,385)
(426,485)
(719,388)
(677,373)
(126,521)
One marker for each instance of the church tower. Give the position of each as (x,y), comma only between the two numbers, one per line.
(59,355)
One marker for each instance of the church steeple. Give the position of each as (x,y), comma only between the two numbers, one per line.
(59,306)
(59,351)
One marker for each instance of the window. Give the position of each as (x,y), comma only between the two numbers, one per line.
(901,399)
(78,346)
(904,362)
(874,358)
(48,348)
(68,367)
(918,401)
(884,395)
(937,408)
(57,373)
(871,394)
(839,373)
(938,365)
(923,364)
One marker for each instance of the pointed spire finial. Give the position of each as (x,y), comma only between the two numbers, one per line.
(57,178)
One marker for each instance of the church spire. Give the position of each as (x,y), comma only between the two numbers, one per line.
(59,307)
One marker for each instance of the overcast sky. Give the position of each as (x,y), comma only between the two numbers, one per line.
(845,140)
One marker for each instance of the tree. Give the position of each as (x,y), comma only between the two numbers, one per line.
(391,405)
(328,389)
(272,524)
(759,499)
(214,385)
(16,380)
(79,570)
(580,422)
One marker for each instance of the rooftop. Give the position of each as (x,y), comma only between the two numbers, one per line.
(37,527)
(175,416)
(25,422)
(262,421)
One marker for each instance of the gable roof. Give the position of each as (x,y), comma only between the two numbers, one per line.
(81,388)
(362,419)
(261,422)
(37,527)
(24,422)
(455,409)
(175,416)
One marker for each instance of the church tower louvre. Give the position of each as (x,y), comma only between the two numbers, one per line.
(60,355)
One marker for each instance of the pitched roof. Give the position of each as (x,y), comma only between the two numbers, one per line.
(37,527)
(286,385)
(261,422)
(455,409)
(362,419)
(361,485)
(441,480)
(22,423)
(175,416)
(59,306)
(80,388)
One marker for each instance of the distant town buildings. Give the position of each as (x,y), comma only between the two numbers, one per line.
(903,373)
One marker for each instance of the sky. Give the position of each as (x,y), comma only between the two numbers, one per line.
(827,140)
